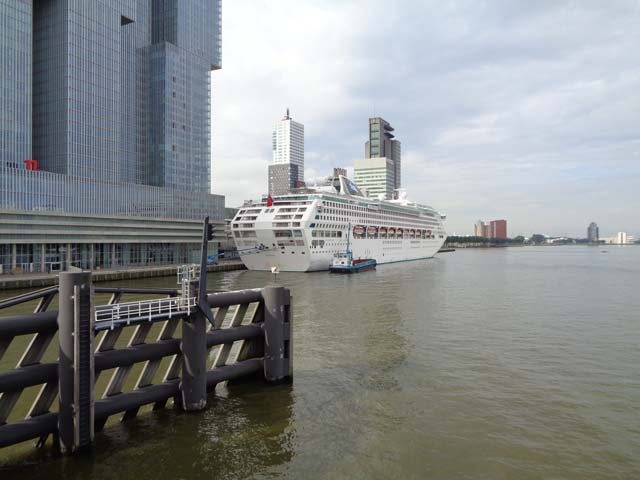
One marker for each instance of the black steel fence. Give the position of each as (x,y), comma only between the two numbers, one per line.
(227,336)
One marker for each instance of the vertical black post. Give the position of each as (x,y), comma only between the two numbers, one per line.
(194,358)
(76,364)
(201,293)
(276,334)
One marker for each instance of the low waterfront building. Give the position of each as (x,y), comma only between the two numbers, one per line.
(621,238)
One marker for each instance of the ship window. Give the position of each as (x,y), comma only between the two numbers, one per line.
(297,233)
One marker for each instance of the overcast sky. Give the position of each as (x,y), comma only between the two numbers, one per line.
(524,110)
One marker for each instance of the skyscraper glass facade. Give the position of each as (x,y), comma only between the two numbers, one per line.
(15,75)
(112,99)
(120,92)
(382,143)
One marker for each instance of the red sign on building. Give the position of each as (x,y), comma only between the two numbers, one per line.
(32,165)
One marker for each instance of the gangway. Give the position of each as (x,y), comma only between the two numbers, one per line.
(114,315)
(257,249)
(108,317)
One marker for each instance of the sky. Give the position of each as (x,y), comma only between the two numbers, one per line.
(522,110)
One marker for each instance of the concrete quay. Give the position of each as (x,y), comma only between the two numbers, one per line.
(18,281)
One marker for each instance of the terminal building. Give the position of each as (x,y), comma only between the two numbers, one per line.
(105,132)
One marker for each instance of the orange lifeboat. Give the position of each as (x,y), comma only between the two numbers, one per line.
(358,230)
(372,231)
(382,231)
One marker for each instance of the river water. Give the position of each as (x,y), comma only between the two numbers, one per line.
(514,363)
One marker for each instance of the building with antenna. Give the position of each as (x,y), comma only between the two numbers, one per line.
(287,169)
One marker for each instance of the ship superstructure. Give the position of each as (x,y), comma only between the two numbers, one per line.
(302,231)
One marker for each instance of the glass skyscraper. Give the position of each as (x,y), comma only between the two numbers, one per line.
(380,172)
(111,98)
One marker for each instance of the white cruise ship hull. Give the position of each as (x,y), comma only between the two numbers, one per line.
(300,259)
(302,232)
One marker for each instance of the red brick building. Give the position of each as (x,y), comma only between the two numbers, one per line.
(498,229)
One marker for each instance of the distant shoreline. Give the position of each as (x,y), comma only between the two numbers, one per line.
(468,245)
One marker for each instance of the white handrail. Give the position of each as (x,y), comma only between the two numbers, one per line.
(143,308)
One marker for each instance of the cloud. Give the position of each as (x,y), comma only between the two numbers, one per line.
(519,110)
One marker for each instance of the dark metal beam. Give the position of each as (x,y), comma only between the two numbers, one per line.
(128,356)
(231,372)
(234,298)
(228,335)
(21,378)
(31,428)
(30,323)
(131,400)
(27,297)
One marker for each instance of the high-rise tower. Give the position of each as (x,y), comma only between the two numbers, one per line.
(380,173)
(287,170)
(593,233)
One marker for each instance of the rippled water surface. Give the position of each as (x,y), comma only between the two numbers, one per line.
(518,363)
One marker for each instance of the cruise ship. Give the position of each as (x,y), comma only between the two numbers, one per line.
(302,231)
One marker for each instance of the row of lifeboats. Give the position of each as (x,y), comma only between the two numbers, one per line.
(390,232)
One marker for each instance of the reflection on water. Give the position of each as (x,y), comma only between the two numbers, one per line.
(504,363)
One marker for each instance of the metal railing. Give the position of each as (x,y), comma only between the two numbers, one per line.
(110,316)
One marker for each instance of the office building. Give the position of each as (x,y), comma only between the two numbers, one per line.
(283,178)
(105,137)
(380,173)
(481,229)
(493,229)
(622,238)
(593,233)
(376,177)
(288,150)
(498,229)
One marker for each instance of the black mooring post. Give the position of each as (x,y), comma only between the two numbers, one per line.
(276,334)
(76,364)
(201,293)
(193,385)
